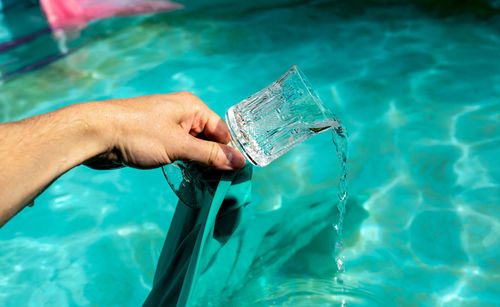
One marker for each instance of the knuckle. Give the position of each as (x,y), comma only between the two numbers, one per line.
(186,95)
(214,154)
(190,97)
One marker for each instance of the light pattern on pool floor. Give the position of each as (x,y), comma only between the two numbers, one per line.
(419,93)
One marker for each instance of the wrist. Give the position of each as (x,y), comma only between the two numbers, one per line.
(37,150)
(87,130)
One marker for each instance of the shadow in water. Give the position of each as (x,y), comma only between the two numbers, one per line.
(317,257)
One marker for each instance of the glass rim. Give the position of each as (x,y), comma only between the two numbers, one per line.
(312,92)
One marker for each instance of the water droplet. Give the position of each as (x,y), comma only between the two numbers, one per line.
(340,264)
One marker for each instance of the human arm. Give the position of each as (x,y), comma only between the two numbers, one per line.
(142,132)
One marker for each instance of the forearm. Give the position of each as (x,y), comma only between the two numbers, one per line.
(142,132)
(36,151)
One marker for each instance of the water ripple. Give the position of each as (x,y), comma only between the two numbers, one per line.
(317,292)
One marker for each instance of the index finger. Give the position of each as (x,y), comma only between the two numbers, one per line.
(214,128)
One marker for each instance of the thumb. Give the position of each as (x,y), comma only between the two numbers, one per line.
(212,154)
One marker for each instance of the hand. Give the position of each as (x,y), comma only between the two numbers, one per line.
(150,131)
(142,132)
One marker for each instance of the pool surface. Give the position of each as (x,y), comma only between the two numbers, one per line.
(418,88)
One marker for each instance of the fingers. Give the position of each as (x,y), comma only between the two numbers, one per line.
(214,127)
(212,154)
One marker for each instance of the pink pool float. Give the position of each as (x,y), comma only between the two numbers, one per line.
(76,14)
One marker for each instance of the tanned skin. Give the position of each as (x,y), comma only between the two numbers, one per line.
(142,132)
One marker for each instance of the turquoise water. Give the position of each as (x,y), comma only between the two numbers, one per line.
(417,87)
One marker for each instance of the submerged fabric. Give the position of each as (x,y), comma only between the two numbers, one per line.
(74,14)
(193,231)
(211,256)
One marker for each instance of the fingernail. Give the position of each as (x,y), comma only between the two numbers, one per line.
(235,159)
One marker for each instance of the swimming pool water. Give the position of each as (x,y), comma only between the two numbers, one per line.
(417,87)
